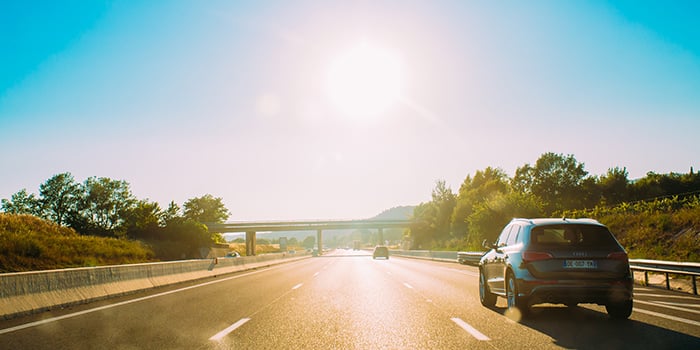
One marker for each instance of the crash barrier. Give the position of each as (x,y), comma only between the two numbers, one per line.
(36,291)
(667,268)
(426,254)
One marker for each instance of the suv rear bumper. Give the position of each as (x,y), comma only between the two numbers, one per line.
(578,291)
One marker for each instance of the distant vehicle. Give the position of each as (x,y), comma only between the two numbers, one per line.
(558,261)
(380,251)
(233,255)
(315,252)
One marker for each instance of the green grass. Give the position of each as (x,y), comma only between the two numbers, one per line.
(28,243)
(667,229)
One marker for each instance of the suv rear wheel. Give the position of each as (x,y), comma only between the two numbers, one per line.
(619,310)
(487,298)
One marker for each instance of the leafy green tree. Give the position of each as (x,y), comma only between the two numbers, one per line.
(206,209)
(102,206)
(58,196)
(492,215)
(555,178)
(142,220)
(433,219)
(22,203)
(483,186)
(614,186)
(444,201)
(172,212)
(309,242)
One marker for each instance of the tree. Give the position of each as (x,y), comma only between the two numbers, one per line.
(491,216)
(614,186)
(142,220)
(309,242)
(206,209)
(433,218)
(58,197)
(170,214)
(555,178)
(22,203)
(102,206)
(444,202)
(484,185)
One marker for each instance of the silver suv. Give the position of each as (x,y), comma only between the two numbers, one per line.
(558,261)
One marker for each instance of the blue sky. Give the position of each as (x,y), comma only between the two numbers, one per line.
(185,98)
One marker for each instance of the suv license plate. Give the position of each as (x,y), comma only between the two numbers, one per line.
(580,264)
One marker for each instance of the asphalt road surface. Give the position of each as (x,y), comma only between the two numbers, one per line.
(347,300)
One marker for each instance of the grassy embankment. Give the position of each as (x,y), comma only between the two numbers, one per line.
(667,229)
(28,243)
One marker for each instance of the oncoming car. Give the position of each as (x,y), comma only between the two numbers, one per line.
(380,251)
(558,261)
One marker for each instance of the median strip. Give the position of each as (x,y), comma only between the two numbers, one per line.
(229,329)
(471,330)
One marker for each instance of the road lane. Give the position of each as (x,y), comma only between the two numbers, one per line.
(355,302)
(352,304)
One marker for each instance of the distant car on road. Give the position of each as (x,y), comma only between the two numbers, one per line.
(233,255)
(380,251)
(558,261)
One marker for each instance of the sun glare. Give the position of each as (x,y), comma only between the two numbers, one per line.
(364,81)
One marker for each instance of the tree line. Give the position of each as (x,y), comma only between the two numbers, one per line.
(554,185)
(101,206)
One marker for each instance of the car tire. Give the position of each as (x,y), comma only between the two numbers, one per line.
(619,310)
(512,298)
(487,298)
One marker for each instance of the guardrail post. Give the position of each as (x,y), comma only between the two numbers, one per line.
(695,286)
(646,278)
(668,283)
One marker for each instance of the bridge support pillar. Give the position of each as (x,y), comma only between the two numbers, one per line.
(319,239)
(250,243)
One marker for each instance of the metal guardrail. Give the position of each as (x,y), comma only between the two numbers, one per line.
(658,266)
(667,268)
(471,258)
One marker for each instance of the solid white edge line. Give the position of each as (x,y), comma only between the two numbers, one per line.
(667,306)
(297,286)
(471,330)
(666,296)
(229,329)
(668,317)
(58,318)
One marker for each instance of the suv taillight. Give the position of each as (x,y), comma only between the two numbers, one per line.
(618,256)
(530,256)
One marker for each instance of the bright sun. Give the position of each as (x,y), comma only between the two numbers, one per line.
(364,81)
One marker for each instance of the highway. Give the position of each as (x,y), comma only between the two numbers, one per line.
(347,300)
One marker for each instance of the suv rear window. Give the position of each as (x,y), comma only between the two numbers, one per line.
(572,235)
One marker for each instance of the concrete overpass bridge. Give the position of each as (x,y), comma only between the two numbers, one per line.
(251,228)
